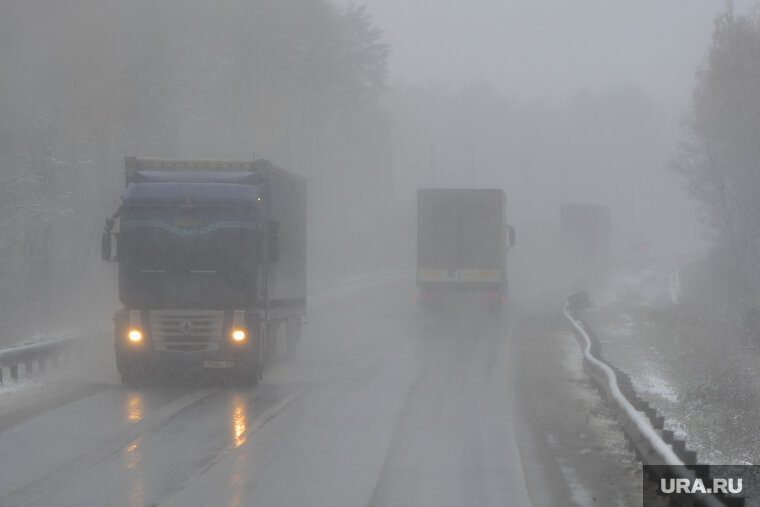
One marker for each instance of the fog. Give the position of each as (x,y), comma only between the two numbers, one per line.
(539,50)
(555,102)
(552,102)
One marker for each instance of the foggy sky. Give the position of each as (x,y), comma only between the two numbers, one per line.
(533,49)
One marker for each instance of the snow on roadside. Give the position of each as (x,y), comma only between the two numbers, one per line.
(644,331)
(658,386)
(11,388)
(18,394)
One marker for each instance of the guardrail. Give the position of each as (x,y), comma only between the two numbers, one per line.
(641,423)
(54,351)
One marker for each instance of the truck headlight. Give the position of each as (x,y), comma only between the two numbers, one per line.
(134,326)
(238,326)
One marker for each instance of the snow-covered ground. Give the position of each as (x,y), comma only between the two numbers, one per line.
(706,387)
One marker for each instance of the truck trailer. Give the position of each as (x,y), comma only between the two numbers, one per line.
(462,244)
(212,267)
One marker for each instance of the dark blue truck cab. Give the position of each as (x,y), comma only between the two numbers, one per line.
(212,266)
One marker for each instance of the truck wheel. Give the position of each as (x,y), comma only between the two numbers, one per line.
(247,377)
(293,328)
(264,354)
(130,377)
(270,349)
(131,374)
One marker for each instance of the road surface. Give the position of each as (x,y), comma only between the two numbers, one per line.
(384,405)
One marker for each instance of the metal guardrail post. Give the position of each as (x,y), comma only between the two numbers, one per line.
(28,354)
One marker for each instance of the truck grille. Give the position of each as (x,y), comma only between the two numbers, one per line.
(186,330)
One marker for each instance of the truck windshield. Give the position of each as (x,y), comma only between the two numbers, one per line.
(189,239)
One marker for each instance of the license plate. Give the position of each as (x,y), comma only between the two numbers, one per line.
(218,364)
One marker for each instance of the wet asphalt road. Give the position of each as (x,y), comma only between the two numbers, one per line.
(384,405)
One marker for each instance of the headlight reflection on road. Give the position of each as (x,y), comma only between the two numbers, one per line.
(134,407)
(132,459)
(237,482)
(239,425)
(134,411)
(132,454)
(239,419)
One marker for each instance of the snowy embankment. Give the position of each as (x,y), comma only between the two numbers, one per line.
(32,355)
(704,385)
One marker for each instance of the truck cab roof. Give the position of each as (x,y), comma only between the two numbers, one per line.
(242,178)
(174,194)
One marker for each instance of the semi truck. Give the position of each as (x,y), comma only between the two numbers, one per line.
(462,244)
(212,267)
(585,232)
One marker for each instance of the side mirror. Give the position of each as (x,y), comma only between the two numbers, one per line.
(512,239)
(107,245)
(273,241)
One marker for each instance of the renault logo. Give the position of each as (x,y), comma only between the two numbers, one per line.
(185,327)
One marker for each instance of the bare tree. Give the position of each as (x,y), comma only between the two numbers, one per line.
(719,158)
